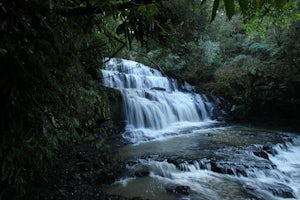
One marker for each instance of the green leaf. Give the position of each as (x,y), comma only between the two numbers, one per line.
(243,6)
(214,11)
(76,122)
(280,3)
(121,28)
(229,8)
(255,4)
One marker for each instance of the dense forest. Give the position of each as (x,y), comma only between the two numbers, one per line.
(246,52)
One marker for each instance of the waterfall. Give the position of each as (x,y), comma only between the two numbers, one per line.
(163,120)
(153,102)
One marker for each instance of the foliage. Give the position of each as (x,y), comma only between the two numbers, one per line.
(173,62)
(274,13)
(265,70)
(241,59)
(211,50)
(180,46)
(260,15)
(49,86)
(234,84)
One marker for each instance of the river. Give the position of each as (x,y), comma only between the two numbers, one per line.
(177,151)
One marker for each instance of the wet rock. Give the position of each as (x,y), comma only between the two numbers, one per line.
(249,187)
(179,189)
(264,165)
(252,191)
(268,148)
(173,161)
(241,172)
(281,190)
(131,162)
(215,167)
(176,162)
(230,171)
(137,198)
(115,197)
(119,197)
(142,171)
(204,163)
(261,154)
(228,168)
(158,88)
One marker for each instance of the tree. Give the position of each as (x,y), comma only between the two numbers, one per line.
(259,15)
(265,69)
(49,80)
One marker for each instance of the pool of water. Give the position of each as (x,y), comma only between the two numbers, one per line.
(229,162)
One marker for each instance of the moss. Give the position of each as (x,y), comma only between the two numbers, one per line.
(115,120)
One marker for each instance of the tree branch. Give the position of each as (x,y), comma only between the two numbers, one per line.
(115,53)
(91,10)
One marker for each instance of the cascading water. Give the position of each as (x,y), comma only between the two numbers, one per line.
(175,157)
(153,104)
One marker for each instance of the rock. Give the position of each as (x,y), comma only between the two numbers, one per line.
(177,162)
(228,168)
(281,190)
(179,189)
(115,197)
(261,154)
(264,165)
(268,148)
(230,171)
(249,187)
(141,171)
(119,197)
(158,88)
(215,167)
(204,163)
(173,161)
(241,172)
(131,162)
(137,198)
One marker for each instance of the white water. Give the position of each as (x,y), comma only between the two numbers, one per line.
(153,105)
(263,179)
(163,122)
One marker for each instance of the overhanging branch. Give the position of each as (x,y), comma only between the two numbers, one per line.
(91,10)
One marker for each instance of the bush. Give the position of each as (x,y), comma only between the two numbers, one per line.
(235,85)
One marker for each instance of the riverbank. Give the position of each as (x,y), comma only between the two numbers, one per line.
(285,124)
(79,172)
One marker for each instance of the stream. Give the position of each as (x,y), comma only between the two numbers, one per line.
(177,150)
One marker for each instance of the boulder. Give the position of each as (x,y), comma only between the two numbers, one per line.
(261,154)
(281,190)
(179,189)
(268,148)
(215,167)
(173,161)
(228,168)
